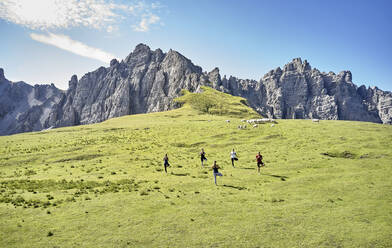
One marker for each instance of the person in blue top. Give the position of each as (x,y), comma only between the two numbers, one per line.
(166,162)
(215,169)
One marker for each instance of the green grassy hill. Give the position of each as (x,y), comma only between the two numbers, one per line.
(325,184)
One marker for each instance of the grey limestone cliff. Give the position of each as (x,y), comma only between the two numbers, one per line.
(298,91)
(23,107)
(148,81)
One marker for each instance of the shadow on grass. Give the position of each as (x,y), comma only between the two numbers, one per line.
(283,178)
(247,168)
(335,154)
(234,187)
(180,174)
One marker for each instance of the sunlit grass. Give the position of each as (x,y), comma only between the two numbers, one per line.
(325,184)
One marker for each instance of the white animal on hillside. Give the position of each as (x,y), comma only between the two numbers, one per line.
(315,120)
(241,126)
(260,121)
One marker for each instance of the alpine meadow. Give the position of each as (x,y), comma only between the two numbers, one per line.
(195,124)
(324,184)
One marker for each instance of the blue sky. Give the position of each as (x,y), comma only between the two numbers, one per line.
(50,40)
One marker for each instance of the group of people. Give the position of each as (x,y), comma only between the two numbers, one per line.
(215,167)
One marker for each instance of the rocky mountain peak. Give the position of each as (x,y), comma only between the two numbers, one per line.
(148,81)
(141,54)
(273,74)
(297,65)
(113,62)
(23,107)
(345,76)
(215,78)
(176,59)
(2,74)
(172,54)
(73,82)
(362,91)
(214,71)
(159,54)
(141,48)
(306,66)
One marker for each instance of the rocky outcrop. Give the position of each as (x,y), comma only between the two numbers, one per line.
(298,91)
(377,102)
(148,81)
(23,107)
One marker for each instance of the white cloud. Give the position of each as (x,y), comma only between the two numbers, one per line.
(51,14)
(73,46)
(110,29)
(156,5)
(144,24)
(59,14)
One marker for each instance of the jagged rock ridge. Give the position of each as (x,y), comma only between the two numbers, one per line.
(24,107)
(147,81)
(298,91)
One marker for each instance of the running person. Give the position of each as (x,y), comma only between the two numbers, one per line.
(259,159)
(202,157)
(166,162)
(216,173)
(233,156)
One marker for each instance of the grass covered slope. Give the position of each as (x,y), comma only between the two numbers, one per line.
(214,102)
(325,184)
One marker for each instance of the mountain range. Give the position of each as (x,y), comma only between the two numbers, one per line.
(148,81)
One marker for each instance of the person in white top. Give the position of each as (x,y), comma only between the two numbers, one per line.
(233,156)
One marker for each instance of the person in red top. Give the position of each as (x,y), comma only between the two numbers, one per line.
(259,159)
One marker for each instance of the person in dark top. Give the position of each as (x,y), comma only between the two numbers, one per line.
(202,157)
(215,169)
(166,162)
(259,159)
